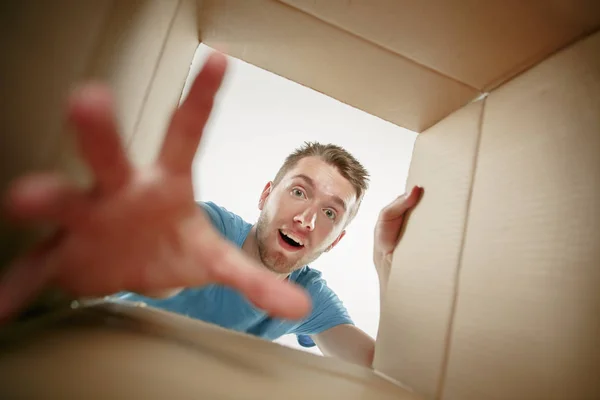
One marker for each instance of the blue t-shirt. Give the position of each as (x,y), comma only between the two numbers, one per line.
(228,308)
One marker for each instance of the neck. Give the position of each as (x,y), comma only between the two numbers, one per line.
(250,247)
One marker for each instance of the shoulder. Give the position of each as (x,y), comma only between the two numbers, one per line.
(229,224)
(307,276)
(312,280)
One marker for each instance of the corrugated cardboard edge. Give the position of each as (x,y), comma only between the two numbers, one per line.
(453,306)
(166,87)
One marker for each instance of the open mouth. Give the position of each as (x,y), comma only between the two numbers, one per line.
(289,241)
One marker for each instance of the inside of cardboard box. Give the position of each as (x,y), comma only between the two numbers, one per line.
(531,303)
(258,119)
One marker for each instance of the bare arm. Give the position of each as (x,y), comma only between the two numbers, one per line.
(348,343)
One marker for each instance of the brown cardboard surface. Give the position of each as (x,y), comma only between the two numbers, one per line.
(46,49)
(123,352)
(126,58)
(288,42)
(479,43)
(50,48)
(527,323)
(171,72)
(128,53)
(517,304)
(414,320)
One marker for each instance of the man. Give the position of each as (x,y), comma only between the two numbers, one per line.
(141,231)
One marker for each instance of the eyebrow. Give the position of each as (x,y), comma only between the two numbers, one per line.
(311,182)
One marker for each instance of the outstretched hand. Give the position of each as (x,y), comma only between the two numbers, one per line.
(389,227)
(135,230)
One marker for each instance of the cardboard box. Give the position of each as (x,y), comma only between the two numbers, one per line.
(493,292)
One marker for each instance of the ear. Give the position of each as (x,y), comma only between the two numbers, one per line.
(265,193)
(336,241)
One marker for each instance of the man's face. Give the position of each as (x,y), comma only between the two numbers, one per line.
(303,215)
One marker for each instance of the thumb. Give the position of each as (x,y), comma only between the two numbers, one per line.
(401,205)
(261,287)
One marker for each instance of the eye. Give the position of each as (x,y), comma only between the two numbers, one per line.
(330,214)
(298,193)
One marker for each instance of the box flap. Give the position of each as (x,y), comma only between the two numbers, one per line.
(143,353)
(415,317)
(527,320)
(480,43)
(295,45)
(493,289)
(409,62)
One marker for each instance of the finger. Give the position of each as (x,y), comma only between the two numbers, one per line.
(45,198)
(261,287)
(92,113)
(401,205)
(277,297)
(188,122)
(26,277)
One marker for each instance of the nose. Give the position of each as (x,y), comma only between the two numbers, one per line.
(306,219)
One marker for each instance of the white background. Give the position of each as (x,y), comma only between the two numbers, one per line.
(259,118)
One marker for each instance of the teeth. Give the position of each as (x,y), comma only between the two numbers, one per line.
(294,238)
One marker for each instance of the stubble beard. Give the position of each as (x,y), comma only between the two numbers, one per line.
(273,262)
(276,262)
